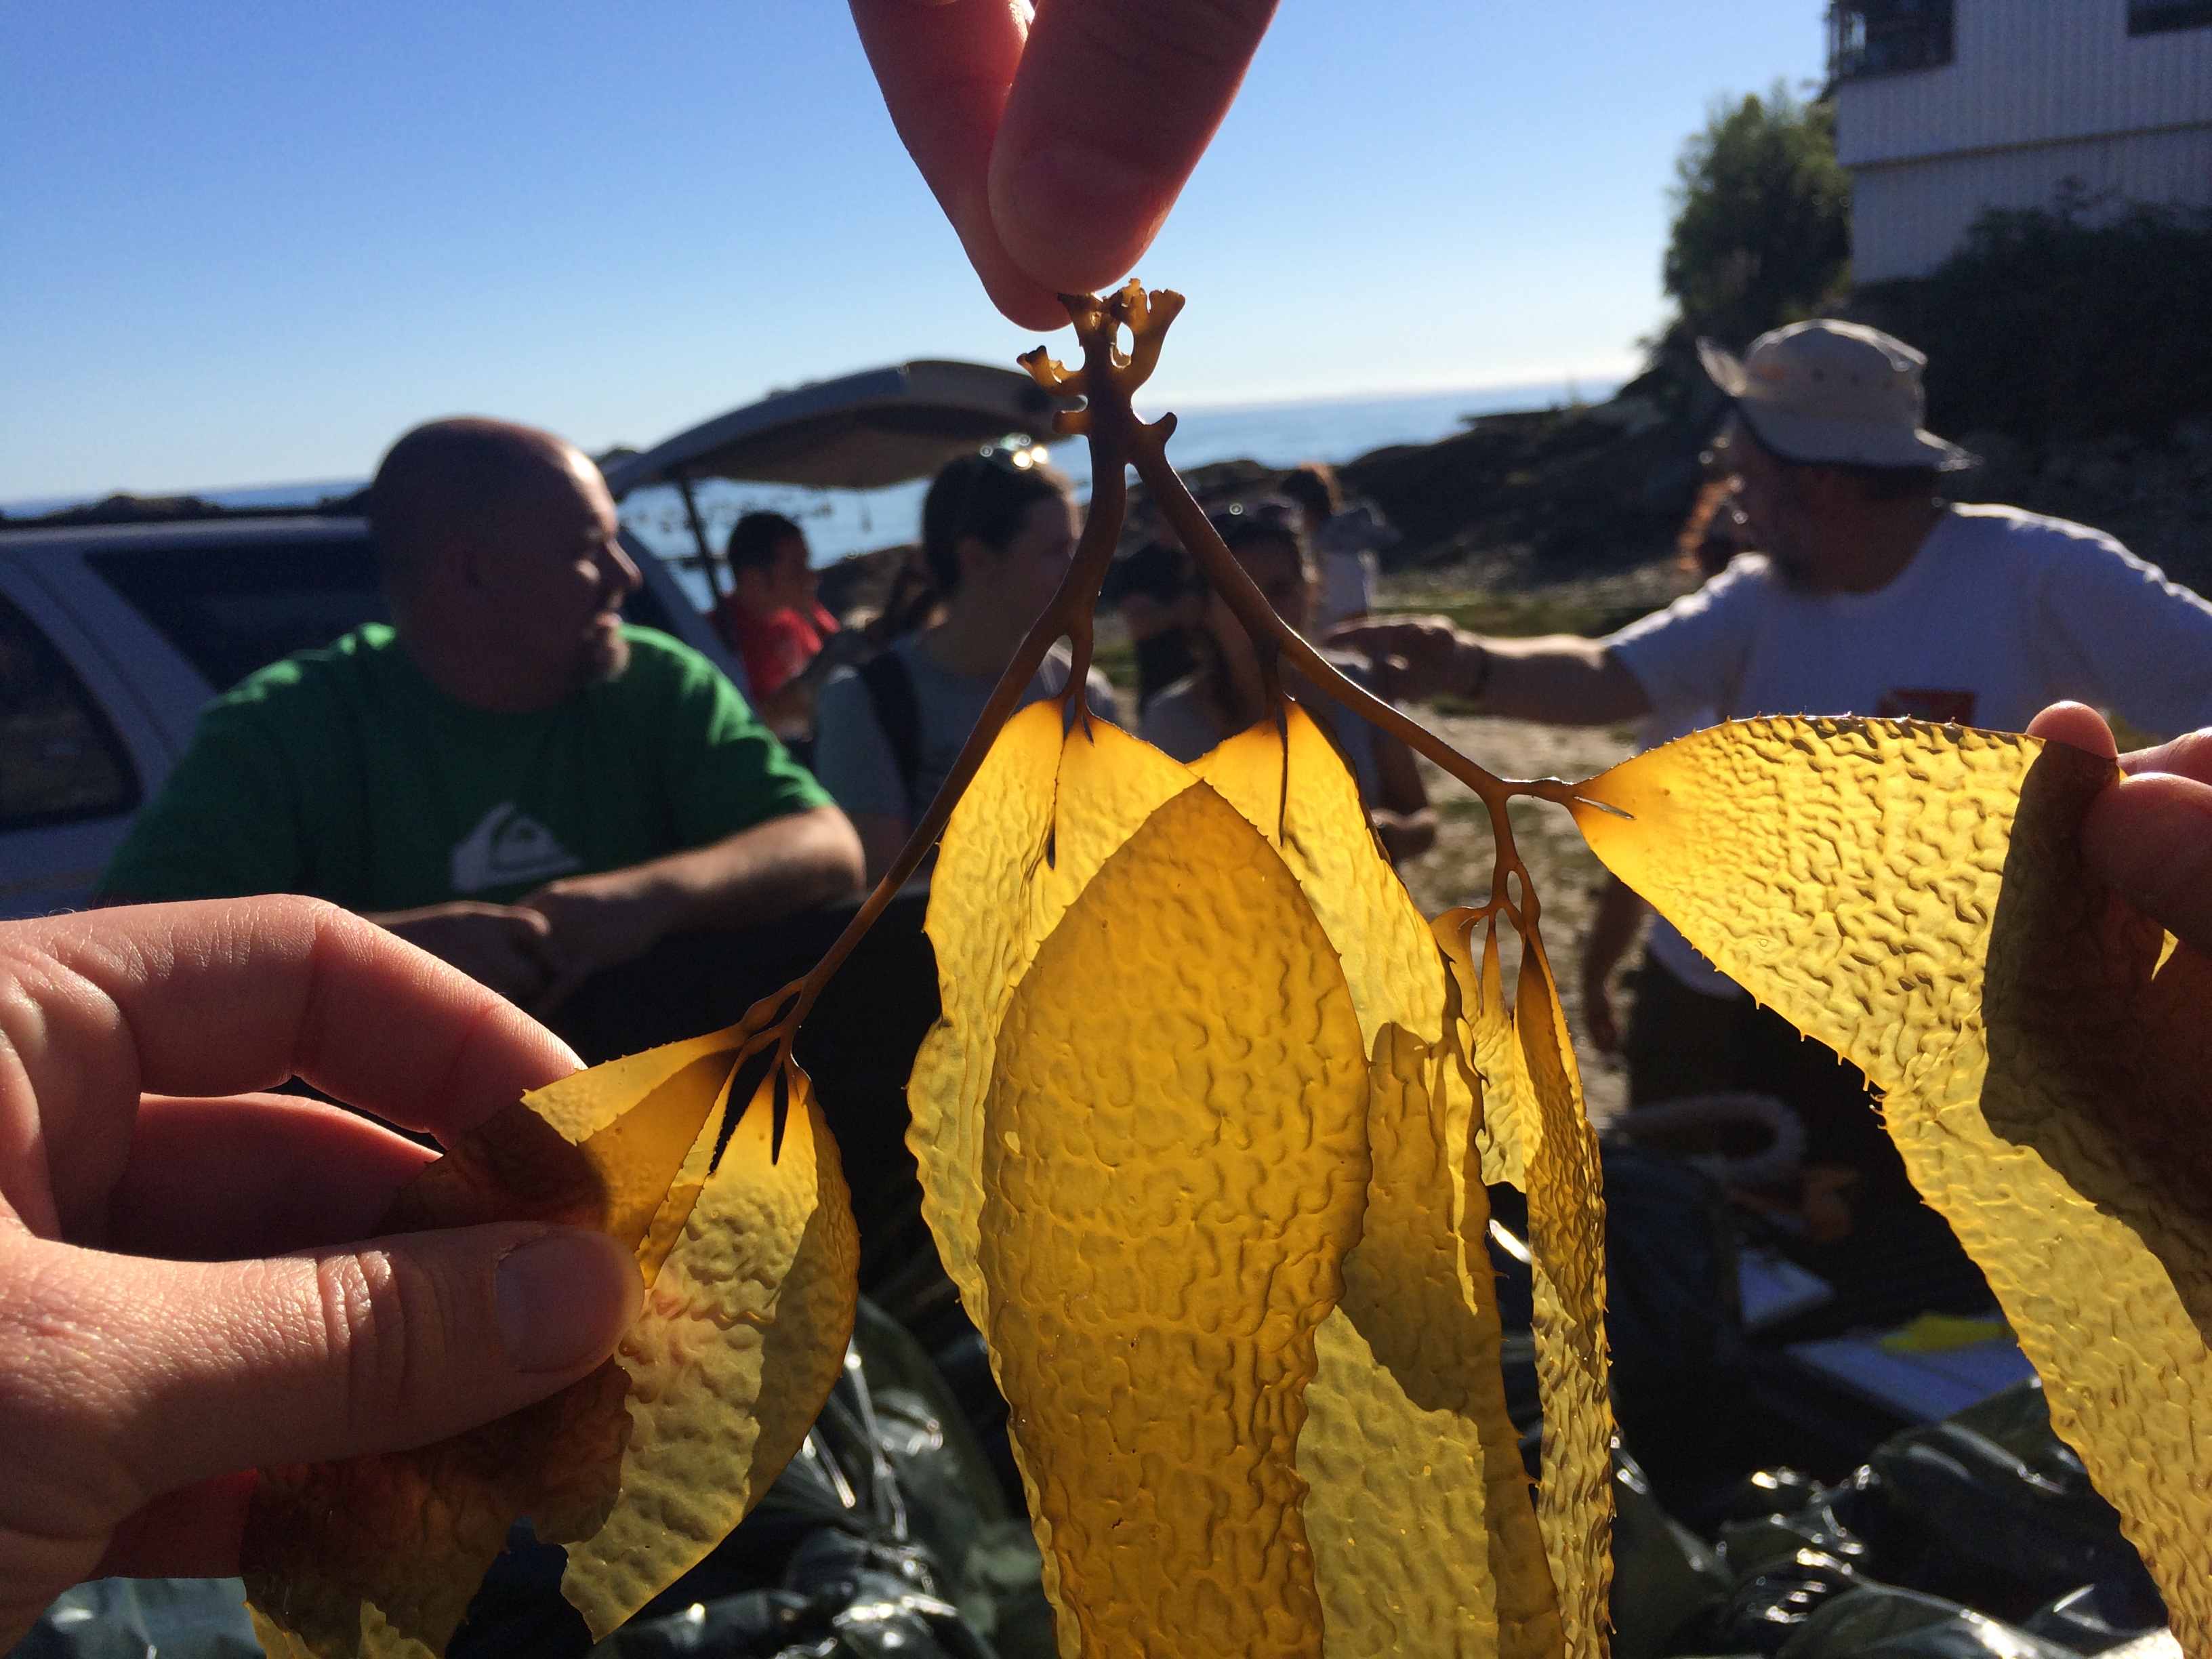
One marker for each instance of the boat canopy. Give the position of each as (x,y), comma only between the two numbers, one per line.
(883,426)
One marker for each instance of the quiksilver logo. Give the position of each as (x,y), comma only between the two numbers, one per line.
(508,845)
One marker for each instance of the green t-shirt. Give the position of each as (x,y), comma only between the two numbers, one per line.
(344,773)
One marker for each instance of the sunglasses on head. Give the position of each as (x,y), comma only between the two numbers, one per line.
(1270,516)
(1016,455)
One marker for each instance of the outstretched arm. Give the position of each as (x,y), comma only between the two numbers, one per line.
(1057,147)
(1562,679)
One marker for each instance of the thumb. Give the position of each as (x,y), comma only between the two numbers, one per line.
(176,1371)
(2150,837)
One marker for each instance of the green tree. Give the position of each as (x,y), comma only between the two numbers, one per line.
(1762,231)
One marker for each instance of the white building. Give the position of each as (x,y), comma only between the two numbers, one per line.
(1945,108)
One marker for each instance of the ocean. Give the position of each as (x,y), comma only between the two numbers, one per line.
(1335,431)
(839,522)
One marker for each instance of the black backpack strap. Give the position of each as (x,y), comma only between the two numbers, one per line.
(898,716)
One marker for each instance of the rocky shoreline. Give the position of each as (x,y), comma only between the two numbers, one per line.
(1565,519)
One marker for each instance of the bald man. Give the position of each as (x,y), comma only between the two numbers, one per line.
(508,775)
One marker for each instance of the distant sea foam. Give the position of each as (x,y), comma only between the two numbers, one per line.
(839,522)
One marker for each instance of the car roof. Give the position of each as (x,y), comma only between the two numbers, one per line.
(184,533)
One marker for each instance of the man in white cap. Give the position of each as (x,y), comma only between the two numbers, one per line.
(1872,595)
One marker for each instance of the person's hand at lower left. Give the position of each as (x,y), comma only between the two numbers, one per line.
(185,1293)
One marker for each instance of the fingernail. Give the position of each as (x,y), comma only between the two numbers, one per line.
(1074,196)
(563,1299)
(2158,852)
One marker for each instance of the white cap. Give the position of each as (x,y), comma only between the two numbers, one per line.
(1834,391)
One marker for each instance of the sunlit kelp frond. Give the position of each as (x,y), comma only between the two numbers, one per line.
(1424,1538)
(1174,1163)
(1154,1238)
(1531,1107)
(743,1334)
(644,1466)
(1046,810)
(1914,896)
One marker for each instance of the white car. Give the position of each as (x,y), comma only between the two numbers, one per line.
(113,637)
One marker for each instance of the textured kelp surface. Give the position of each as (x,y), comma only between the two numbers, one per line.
(1914,896)
(748,1251)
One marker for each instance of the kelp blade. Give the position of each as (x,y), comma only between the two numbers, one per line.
(1050,805)
(1424,1538)
(744,1332)
(1531,1107)
(379,1556)
(1913,895)
(1175,1163)
(1566,1244)
(1044,812)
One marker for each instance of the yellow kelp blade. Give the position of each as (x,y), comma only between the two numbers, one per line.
(1040,818)
(744,1332)
(1046,808)
(1506,1122)
(1913,895)
(596,1149)
(1566,1240)
(1174,1163)
(1320,828)
(1424,1538)
(1530,1086)
(379,1556)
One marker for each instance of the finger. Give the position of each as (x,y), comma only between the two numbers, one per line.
(183,1372)
(219,1180)
(2150,837)
(225,997)
(2076,724)
(1114,103)
(2188,756)
(945,71)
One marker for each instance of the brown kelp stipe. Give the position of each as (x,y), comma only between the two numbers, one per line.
(1106,384)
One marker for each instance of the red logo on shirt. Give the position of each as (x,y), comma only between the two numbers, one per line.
(1917,703)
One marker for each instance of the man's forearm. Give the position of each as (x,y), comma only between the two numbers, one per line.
(1561,679)
(759,875)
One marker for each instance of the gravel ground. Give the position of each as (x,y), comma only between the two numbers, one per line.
(1566,875)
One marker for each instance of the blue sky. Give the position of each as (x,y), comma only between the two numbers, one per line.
(247,244)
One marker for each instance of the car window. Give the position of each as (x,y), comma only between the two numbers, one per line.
(60,761)
(232,608)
